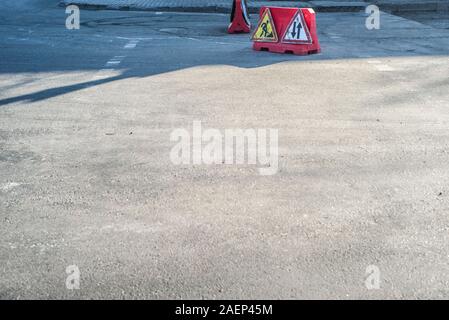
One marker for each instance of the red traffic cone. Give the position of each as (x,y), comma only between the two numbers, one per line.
(239,18)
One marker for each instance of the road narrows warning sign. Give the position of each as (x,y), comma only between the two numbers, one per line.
(297,31)
(265,31)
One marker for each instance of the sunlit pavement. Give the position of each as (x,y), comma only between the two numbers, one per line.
(86,178)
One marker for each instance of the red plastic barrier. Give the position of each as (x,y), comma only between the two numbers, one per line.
(287,30)
(239,18)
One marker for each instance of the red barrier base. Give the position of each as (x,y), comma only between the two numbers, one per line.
(284,48)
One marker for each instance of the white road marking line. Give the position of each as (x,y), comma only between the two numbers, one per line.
(384,67)
(380,66)
(115,61)
(132,44)
(127,38)
(104,73)
(206,40)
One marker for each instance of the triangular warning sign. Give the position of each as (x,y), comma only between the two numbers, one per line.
(297,31)
(266,31)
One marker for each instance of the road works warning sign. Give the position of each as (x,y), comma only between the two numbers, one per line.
(297,31)
(265,31)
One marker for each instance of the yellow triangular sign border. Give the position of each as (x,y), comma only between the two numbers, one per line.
(275,39)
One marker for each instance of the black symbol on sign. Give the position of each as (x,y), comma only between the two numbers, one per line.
(296,27)
(265,33)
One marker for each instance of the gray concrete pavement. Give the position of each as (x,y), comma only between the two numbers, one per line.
(86,178)
(438,20)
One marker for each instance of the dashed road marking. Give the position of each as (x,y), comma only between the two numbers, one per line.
(380,66)
(131,44)
(115,61)
(104,73)
(384,67)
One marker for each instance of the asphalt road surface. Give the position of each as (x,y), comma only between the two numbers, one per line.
(86,178)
